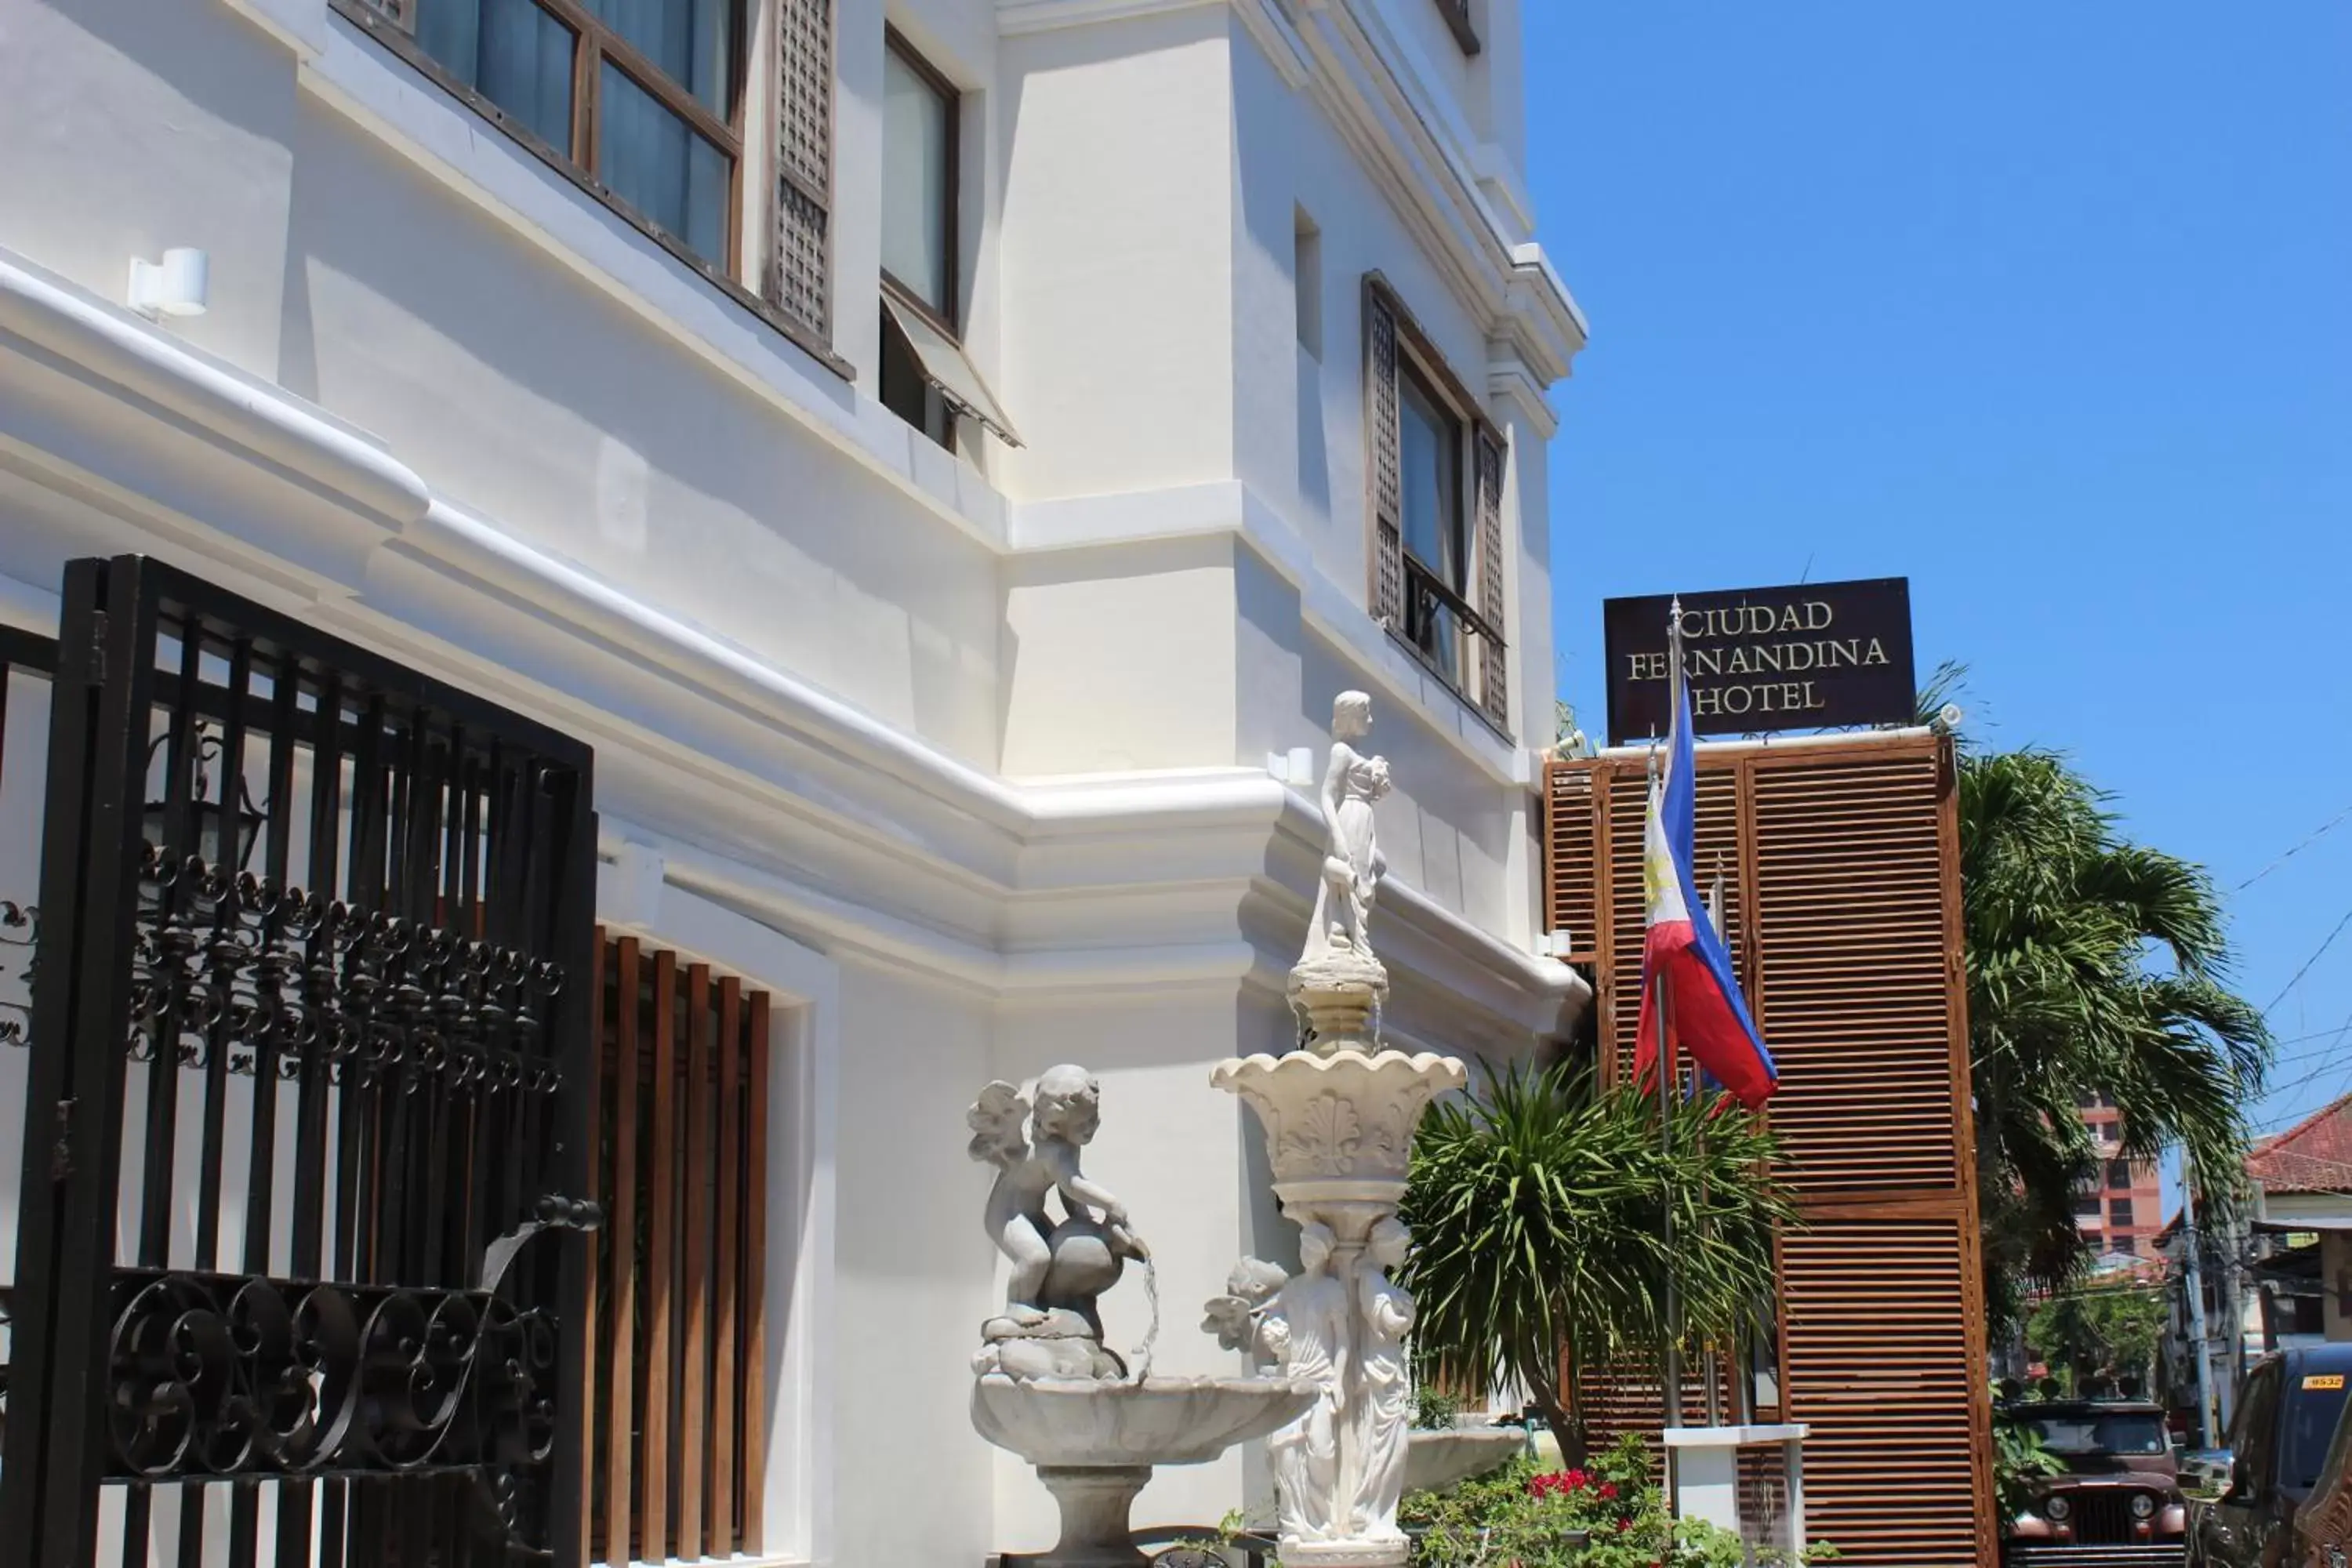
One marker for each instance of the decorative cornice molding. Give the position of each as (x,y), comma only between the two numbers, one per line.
(829,820)
(1016,17)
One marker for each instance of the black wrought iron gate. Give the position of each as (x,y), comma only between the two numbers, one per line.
(309,1056)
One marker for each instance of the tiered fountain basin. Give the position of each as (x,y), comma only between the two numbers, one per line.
(1094,1444)
(1438,1459)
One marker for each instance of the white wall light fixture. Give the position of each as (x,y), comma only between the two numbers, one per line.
(176,286)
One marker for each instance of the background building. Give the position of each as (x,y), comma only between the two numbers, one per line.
(657,372)
(2120,1211)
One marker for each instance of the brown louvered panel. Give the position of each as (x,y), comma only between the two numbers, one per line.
(1856,1001)
(1886,1365)
(1493,674)
(1384,442)
(1571,846)
(1842,919)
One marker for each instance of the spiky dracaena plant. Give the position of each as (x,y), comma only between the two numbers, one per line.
(1537,1204)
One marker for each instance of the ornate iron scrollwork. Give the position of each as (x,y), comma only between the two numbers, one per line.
(20,929)
(234,959)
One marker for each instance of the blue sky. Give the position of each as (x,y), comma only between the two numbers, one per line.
(2046,306)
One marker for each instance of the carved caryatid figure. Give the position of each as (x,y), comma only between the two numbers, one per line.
(1381,1415)
(1353,861)
(1307,1330)
(1065,1115)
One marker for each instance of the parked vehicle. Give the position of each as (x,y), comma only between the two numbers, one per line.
(2118,1502)
(2289,1407)
(2205,1471)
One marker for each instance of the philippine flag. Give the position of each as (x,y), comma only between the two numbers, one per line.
(1684,957)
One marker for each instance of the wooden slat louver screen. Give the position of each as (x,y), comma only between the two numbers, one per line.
(678,1457)
(1494,661)
(1857,995)
(1880,1366)
(1841,912)
(1383,444)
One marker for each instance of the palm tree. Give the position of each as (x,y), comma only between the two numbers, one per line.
(2094,966)
(1536,1205)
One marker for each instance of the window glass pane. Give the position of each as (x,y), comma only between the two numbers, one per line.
(690,40)
(662,166)
(510,51)
(1433,484)
(916,188)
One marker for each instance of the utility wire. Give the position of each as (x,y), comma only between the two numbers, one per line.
(2314,837)
(2308,963)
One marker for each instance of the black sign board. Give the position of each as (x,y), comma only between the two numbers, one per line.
(1818,656)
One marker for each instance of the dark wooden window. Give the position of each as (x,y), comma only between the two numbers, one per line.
(642,103)
(928,379)
(644,97)
(2119,1175)
(1434,470)
(678,1451)
(2119,1211)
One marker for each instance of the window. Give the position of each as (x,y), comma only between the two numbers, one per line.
(927,379)
(1435,554)
(2119,1175)
(2119,1211)
(2127,1245)
(643,96)
(642,103)
(2086,1206)
(1437,480)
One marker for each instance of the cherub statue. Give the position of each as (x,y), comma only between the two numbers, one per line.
(1352,862)
(1306,1329)
(1067,1112)
(1383,1418)
(1236,1317)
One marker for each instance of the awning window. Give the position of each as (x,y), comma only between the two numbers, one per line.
(948,368)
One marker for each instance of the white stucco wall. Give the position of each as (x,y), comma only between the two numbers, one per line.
(968,749)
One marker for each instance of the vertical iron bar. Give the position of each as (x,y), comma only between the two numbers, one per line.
(75,1072)
(221,957)
(159,1159)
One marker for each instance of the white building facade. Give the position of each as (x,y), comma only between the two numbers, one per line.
(656,367)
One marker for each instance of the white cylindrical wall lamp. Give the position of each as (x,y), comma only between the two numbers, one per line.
(175,286)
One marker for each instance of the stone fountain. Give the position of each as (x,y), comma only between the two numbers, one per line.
(1046,1387)
(1338,1114)
(1333,1394)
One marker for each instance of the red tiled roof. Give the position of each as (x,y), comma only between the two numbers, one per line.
(2315,1155)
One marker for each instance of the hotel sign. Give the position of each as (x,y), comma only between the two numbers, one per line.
(1818,656)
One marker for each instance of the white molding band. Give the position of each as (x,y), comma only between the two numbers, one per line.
(1014,888)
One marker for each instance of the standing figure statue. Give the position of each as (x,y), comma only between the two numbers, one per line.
(1353,861)
(1307,1331)
(1382,1415)
(1064,1266)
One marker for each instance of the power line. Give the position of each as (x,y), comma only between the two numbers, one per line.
(2308,963)
(2320,833)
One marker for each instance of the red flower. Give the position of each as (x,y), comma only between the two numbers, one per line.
(1609,1492)
(1623,1525)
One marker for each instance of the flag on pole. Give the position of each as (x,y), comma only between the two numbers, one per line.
(1683,956)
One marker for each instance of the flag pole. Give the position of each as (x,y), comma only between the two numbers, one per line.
(1671,1368)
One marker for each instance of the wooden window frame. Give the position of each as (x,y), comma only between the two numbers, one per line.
(945,316)
(391,23)
(1457,21)
(1485,653)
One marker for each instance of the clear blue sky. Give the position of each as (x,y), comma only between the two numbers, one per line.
(2047,307)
